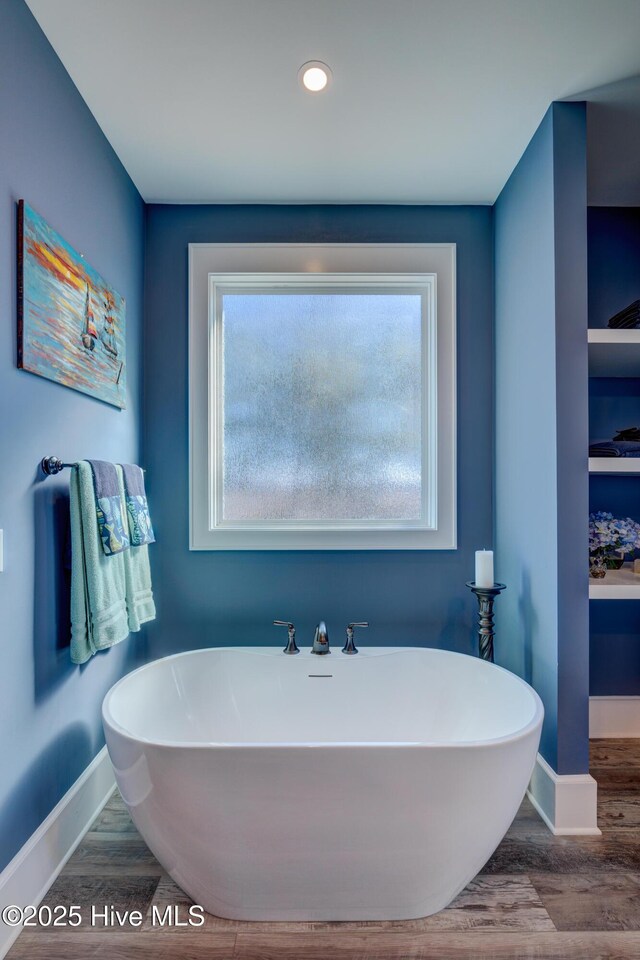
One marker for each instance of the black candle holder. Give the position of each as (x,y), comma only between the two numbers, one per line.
(486,596)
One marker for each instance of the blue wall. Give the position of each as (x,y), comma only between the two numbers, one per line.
(55,156)
(614,403)
(232,597)
(614,261)
(541,428)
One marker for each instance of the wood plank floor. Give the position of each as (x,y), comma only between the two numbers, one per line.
(539,896)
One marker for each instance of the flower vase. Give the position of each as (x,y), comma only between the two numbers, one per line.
(597,566)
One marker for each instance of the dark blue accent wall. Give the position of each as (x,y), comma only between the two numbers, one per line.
(614,261)
(615,648)
(54,155)
(614,403)
(541,428)
(231,597)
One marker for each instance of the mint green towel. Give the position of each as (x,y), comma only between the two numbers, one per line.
(98,582)
(110,595)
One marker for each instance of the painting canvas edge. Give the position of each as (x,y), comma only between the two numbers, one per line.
(20,284)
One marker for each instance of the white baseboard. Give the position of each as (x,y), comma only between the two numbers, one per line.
(614,717)
(567,803)
(27,878)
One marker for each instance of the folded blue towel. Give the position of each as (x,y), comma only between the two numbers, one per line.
(615,448)
(109,507)
(140,529)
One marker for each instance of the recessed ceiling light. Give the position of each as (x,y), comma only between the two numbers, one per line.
(314,76)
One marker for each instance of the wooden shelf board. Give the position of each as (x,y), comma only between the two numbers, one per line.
(621,584)
(629,465)
(614,353)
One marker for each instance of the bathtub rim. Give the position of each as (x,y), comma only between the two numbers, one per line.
(513,737)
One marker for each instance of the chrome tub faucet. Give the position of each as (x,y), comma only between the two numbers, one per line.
(321,639)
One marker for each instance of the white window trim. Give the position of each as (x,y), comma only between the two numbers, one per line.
(214,263)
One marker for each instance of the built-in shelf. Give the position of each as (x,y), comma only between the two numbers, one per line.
(614,353)
(628,465)
(621,584)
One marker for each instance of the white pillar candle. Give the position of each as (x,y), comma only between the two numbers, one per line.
(484,568)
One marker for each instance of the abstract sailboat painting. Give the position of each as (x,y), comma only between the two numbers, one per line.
(71,322)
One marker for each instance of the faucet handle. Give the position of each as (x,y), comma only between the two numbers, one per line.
(291,642)
(350,646)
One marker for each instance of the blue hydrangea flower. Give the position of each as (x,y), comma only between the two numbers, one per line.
(607,535)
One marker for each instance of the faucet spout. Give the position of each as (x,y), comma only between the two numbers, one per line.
(321,639)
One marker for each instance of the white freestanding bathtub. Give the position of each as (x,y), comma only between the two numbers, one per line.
(277,787)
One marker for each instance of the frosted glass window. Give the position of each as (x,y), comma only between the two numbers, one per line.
(321,407)
(322,396)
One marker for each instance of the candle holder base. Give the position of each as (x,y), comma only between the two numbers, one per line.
(486,597)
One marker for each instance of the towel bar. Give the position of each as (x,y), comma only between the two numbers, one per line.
(52,465)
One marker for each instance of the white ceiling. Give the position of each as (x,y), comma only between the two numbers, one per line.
(432,101)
